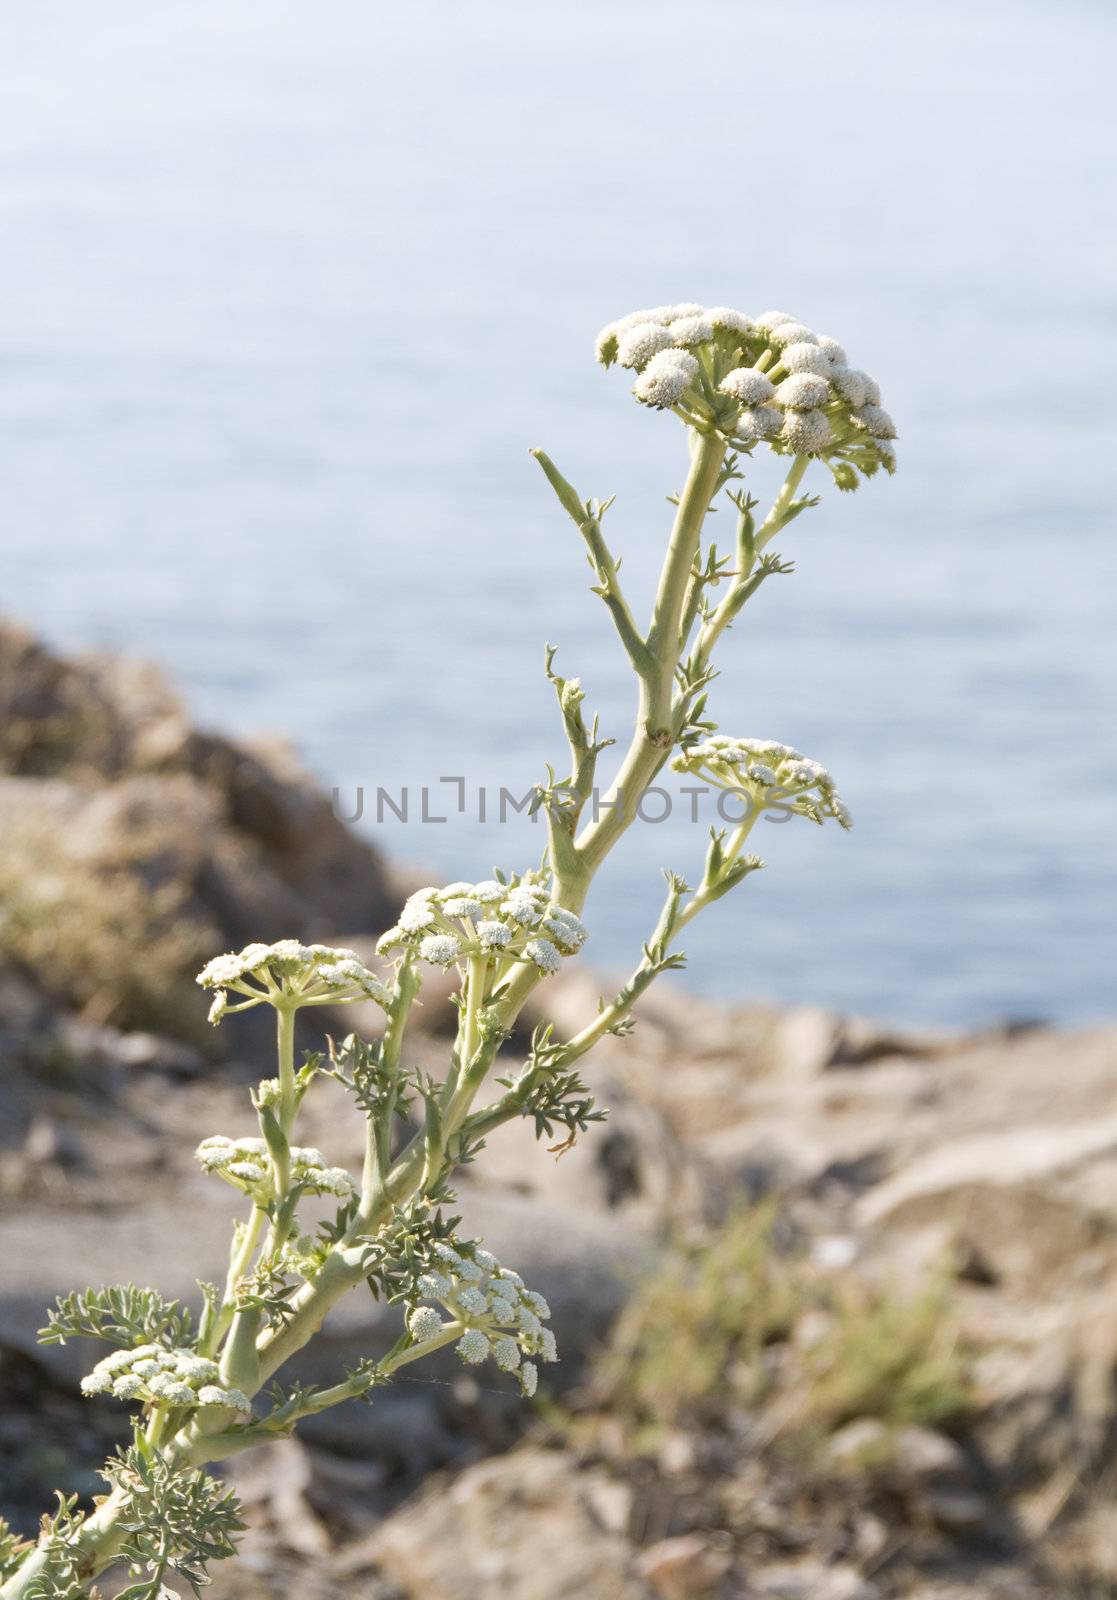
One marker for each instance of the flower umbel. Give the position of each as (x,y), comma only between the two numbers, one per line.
(770,775)
(289,974)
(768,379)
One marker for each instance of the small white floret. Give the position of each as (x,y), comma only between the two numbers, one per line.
(212,1394)
(435,1285)
(803,392)
(747,385)
(195,1369)
(473,1346)
(605,345)
(876,421)
(806,358)
(691,331)
(772,319)
(850,384)
(414,918)
(506,1354)
(462,906)
(424,1323)
(440,949)
(759,422)
(665,379)
(638,344)
(833,349)
(489,891)
(785,333)
(336,1181)
(544,954)
(806,432)
(720,317)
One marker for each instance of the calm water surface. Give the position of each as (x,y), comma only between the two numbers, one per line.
(289,291)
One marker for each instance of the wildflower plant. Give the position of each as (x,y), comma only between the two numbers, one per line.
(208,1387)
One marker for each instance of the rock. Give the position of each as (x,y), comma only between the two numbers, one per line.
(957,1510)
(920,1455)
(50,1143)
(518,1525)
(807,1042)
(812,1580)
(861,1446)
(684,1568)
(276,1477)
(104,775)
(610,1501)
(632,1163)
(1014,1156)
(138,1051)
(763,1159)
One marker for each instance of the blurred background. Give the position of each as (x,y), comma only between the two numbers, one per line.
(288,295)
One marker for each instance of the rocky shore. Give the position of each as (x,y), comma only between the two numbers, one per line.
(866,1281)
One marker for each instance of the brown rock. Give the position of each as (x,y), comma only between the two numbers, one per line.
(684,1568)
(519,1525)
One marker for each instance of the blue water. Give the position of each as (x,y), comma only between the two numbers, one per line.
(288,291)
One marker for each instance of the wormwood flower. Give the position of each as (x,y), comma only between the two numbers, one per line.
(289,973)
(473,1346)
(637,345)
(440,949)
(748,386)
(245,1164)
(509,921)
(803,391)
(506,1354)
(544,954)
(806,432)
(687,331)
(155,1375)
(665,379)
(424,1323)
(764,380)
(773,776)
(499,1316)
(806,358)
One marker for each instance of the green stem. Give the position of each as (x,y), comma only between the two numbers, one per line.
(708,891)
(731,605)
(653,736)
(774,521)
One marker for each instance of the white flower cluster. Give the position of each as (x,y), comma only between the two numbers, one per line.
(769,773)
(155,1375)
(312,974)
(508,922)
(245,1164)
(770,379)
(501,1319)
